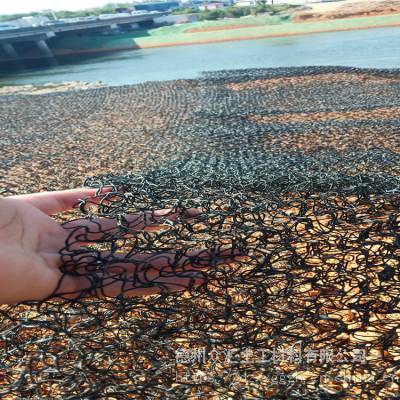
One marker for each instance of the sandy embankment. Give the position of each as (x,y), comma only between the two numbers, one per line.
(50,87)
(347,9)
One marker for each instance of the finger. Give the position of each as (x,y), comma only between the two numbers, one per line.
(154,285)
(86,261)
(91,230)
(137,278)
(88,286)
(55,202)
(176,260)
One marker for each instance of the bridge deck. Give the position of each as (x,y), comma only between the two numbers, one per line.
(15,34)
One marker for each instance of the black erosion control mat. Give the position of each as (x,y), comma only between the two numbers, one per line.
(281,195)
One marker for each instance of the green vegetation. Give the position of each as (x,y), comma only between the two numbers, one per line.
(9,17)
(180,11)
(181,29)
(165,33)
(176,34)
(237,12)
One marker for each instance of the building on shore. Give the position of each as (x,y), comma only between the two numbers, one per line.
(211,6)
(245,3)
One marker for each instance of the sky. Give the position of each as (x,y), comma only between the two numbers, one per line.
(24,6)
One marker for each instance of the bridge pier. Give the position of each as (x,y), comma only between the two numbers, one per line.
(12,54)
(10,51)
(44,48)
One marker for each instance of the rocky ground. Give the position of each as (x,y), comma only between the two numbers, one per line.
(55,140)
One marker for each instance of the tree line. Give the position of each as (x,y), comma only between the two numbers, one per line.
(236,12)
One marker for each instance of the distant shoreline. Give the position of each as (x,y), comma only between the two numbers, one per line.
(266,36)
(242,34)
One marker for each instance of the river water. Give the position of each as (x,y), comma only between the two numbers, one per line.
(378,48)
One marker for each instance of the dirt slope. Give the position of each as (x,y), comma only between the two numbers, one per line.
(349,9)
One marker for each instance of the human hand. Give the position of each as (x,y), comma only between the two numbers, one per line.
(30,261)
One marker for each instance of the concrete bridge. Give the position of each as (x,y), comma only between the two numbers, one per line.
(39,36)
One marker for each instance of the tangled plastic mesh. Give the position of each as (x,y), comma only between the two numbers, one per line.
(296,170)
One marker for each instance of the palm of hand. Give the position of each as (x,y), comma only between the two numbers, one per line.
(29,252)
(30,244)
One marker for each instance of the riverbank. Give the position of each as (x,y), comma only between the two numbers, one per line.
(184,34)
(269,31)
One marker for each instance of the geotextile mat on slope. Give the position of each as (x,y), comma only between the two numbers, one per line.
(297,169)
